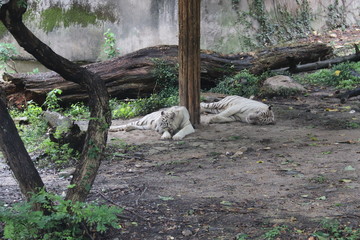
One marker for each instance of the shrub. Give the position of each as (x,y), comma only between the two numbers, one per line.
(52,100)
(167,76)
(67,220)
(141,106)
(243,83)
(341,76)
(36,139)
(7,52)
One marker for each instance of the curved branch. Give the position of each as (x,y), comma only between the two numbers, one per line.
(95,142)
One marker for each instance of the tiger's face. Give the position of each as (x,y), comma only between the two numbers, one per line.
(165,123)
(262,117)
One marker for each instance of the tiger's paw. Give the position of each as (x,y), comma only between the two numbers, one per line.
(115,129)
(128,128)
(177,137)
(166,135)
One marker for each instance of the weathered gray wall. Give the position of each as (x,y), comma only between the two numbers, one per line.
(74,28)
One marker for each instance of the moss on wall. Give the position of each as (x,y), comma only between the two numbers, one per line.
(55,17)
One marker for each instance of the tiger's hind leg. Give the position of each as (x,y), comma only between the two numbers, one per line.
(225,116)
(127,128)
(220,119)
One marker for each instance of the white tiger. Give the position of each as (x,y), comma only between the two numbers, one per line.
(172,123)
(236,108)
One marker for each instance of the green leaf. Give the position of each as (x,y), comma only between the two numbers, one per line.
(345,180)
(166,198)
(349,168)
(321,198)
(71,186)
(226,203)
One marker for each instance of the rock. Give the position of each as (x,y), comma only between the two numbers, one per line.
(56,120)
(281,85)
(240,152)
(21,120)
(186,233)
(64,131)
(67,172)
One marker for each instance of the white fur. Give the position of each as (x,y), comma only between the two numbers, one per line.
(179,123)
(236,108)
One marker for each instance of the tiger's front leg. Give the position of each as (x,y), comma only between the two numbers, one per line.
(184,132)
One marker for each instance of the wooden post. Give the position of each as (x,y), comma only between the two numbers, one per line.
(189,57)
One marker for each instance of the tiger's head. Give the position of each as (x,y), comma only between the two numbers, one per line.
(165,123)
(262,117)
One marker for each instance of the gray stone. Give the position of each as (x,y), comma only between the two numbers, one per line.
(283,85)
(67,172)
(186,233)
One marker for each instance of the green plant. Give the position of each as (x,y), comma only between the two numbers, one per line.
(242,236)
(121,109)
(34,71)
(31,136)
(154,102)
(36,139)
(353,125)
(274,232)
(77,111)
(243,84)
(7,52)
(110,45)
(64,220)
(141,106)
(52,100)
(332,230)
(56,155)
(319,179)
(341,76)
(166,75)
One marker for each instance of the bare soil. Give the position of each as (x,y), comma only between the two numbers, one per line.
(227,179)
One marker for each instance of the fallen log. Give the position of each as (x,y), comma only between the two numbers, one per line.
(132,75)
(324,64)
(348,94)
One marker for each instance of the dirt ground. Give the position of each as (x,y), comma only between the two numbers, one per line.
(227,179)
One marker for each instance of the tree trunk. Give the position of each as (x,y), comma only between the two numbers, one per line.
(100,115)
(132,75)
(189,57)
(16,155)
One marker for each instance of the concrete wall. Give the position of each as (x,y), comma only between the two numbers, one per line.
(74,28)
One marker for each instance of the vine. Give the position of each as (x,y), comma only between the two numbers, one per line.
(336,15)
(269,28)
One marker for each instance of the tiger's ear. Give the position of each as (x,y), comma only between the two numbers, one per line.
(172,115)
(270,106)
(162,113)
